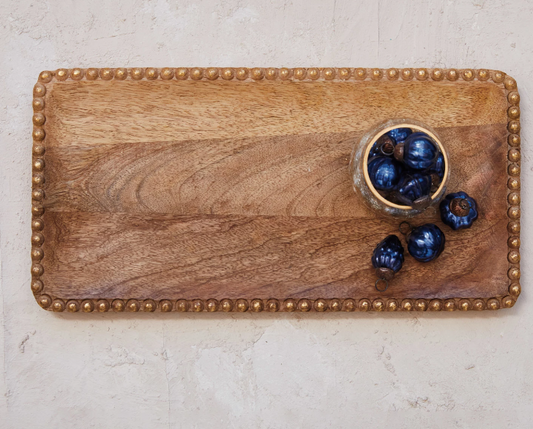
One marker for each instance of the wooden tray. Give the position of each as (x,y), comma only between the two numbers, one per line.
(229,189)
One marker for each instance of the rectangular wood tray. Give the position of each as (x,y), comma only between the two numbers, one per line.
(228,189)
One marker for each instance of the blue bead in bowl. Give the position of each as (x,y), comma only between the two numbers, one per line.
(384,172)
(399,134)
(375,151)
(412,187)
(417,152)
(438,167)
(388,254)
(458,210)
(425,243)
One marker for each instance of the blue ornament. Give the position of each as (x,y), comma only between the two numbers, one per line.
(438,167)
(384,172)
(458,210)
(417,152)
(399,134)
(413,187)
(388,257)
(425,243)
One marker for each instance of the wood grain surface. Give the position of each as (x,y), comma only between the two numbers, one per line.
(185,189)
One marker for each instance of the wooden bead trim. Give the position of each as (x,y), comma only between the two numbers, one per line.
(258,75)
(295,74)
(513,196)
(272,305)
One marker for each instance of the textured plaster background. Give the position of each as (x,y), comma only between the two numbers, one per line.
(177,371)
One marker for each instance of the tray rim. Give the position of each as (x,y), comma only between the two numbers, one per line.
(300,74)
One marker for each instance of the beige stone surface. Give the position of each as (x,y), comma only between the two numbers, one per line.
(246,371)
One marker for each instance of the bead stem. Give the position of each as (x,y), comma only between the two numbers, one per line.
(459,207)
(398,152)
(405,228)
(384,273)
(387,148)
(422,202)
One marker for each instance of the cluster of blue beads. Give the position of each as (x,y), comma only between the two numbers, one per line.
(424,243)
(405,179)
(412,177)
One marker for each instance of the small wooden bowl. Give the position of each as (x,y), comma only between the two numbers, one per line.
(361,178)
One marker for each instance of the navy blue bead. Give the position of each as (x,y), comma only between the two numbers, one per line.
(412,187)
(419,152)
(426,242)
(375,151)
(399,134)
(456,221)
(384,172)
(388,254)
(438,167)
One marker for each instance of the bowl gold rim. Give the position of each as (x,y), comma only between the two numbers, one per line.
(386,130)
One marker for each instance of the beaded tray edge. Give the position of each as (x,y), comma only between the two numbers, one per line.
(58,304)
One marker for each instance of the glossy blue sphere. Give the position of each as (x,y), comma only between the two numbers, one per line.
(384,172)
(388,254)
(458,221)
(419,151)
(426,242)
(412,187)
(399,134)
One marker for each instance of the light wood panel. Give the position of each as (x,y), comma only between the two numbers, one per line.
(131,112)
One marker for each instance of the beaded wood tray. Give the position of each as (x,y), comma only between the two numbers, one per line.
(195,189)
